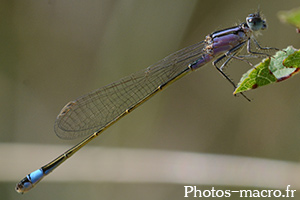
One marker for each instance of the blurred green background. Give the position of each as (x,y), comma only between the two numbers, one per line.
(54,51)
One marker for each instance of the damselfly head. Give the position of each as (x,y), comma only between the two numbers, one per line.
(255,22)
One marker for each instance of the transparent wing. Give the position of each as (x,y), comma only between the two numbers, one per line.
(94,111)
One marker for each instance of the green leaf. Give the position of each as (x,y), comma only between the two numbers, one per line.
(271,70)
(292,60)
(292,17)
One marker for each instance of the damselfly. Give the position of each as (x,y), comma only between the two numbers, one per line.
(93,113)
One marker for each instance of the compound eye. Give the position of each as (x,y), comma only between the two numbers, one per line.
(255,23)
